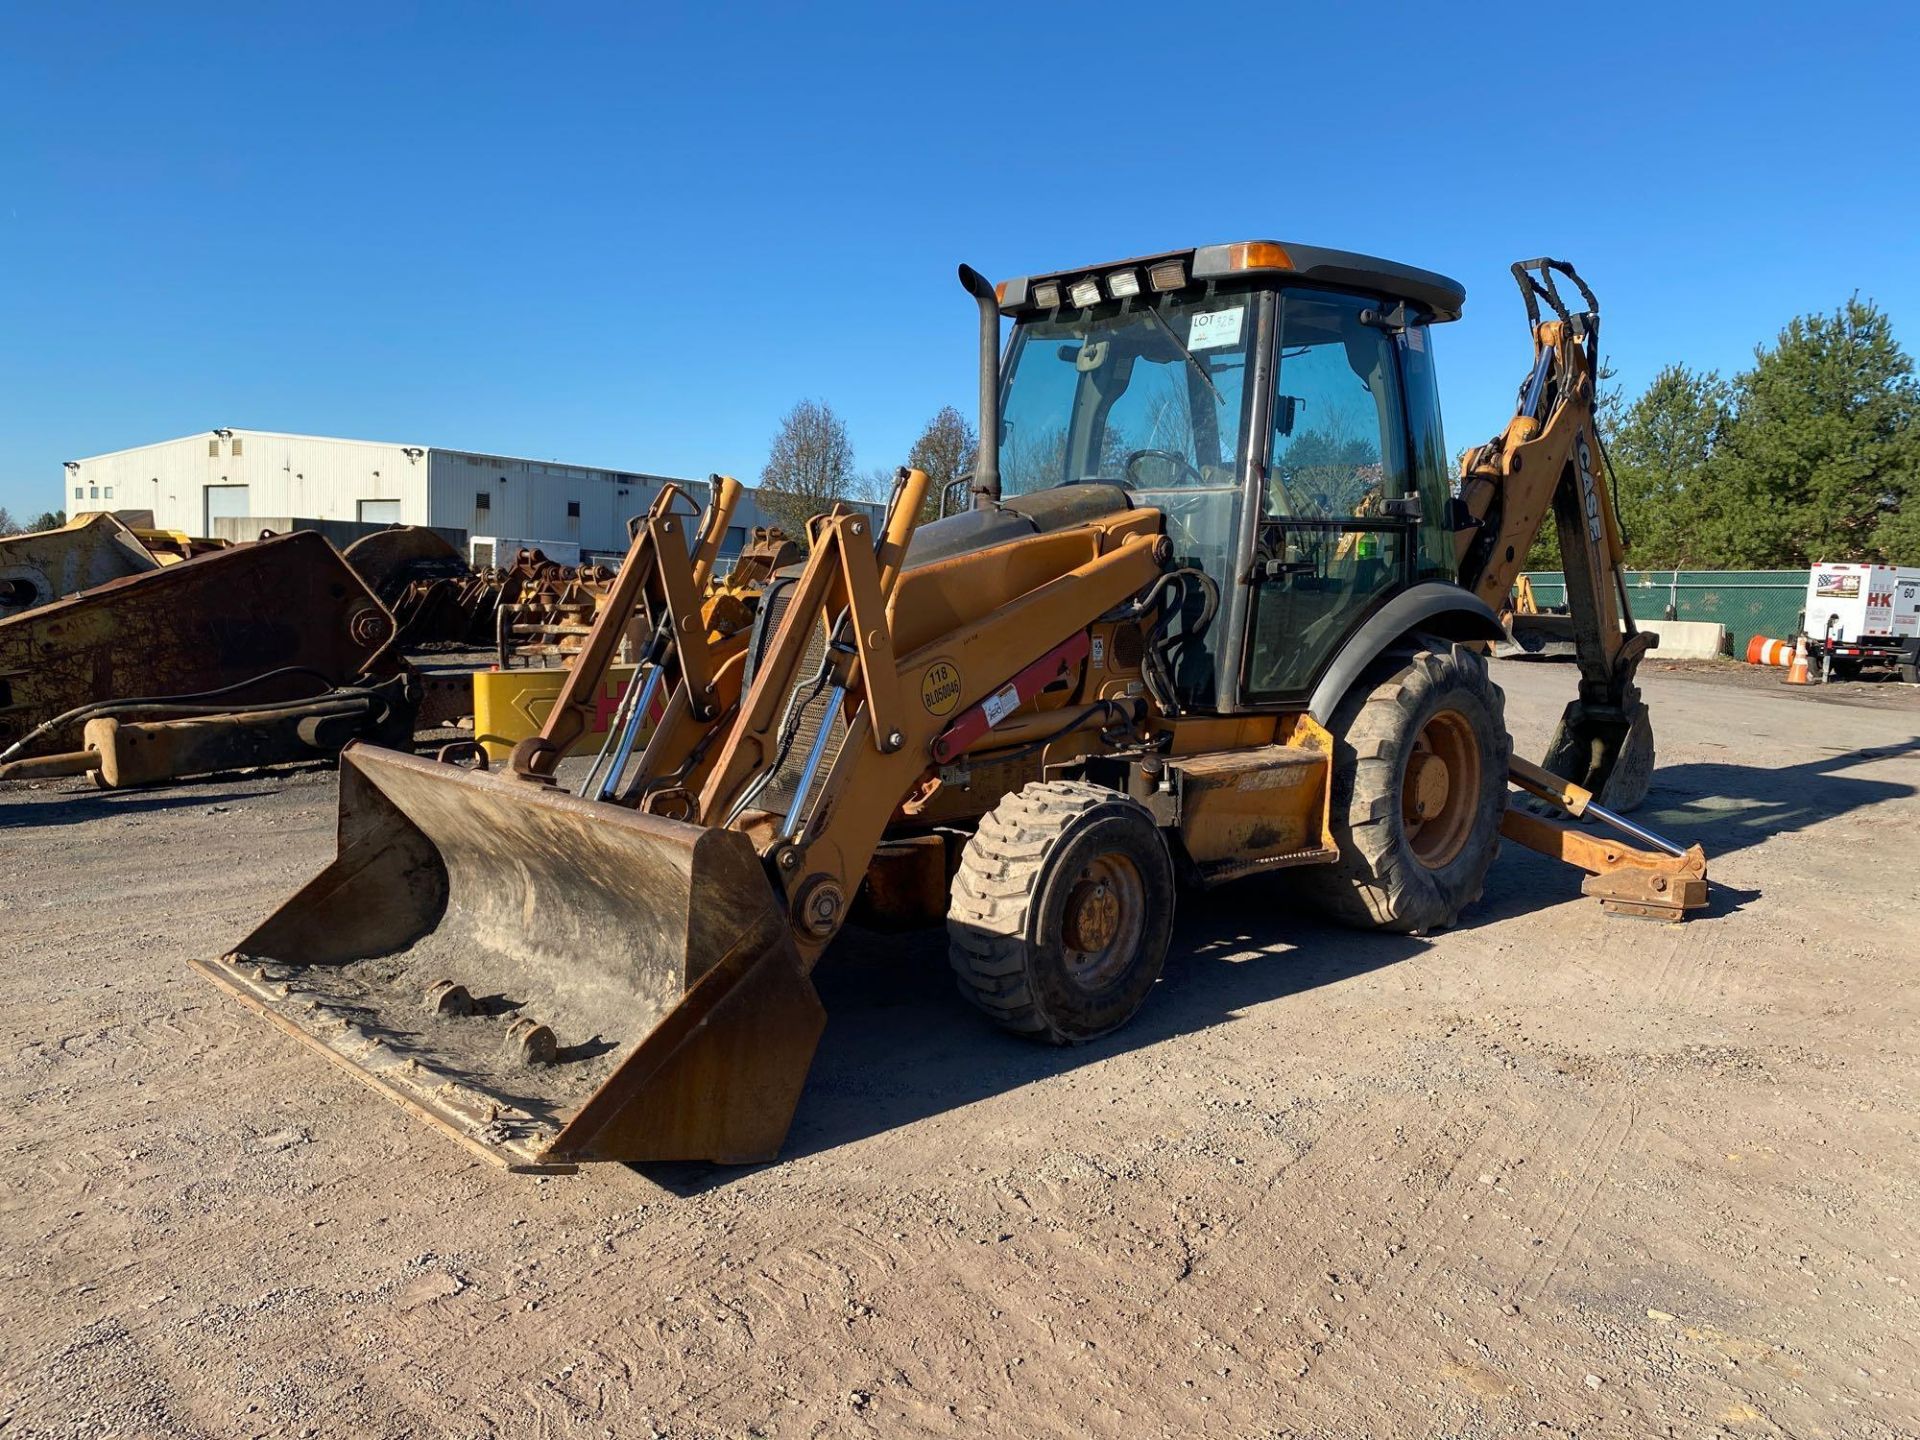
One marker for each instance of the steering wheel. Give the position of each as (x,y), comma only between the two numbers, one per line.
(1179,461)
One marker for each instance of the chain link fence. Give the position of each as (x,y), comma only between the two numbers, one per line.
(1747,602)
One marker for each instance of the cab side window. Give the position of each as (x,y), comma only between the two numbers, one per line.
(1337,444)
(1328,550)
(1432,469)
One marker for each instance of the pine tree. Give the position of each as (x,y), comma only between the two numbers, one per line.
(1662,451)
(1821,460)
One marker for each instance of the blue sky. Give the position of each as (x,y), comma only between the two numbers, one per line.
(635,235)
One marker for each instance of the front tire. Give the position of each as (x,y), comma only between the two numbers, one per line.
(1419,789)
(1061,911)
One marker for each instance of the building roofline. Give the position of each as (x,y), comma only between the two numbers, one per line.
(391,445)
(241,430)
(572,464)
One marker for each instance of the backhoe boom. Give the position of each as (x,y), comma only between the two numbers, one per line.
(1550,458)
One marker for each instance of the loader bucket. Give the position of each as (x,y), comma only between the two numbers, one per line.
(549,979)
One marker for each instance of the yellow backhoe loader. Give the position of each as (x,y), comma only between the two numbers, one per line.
(1217,610)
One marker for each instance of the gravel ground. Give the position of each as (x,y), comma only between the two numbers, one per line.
(1548,1173)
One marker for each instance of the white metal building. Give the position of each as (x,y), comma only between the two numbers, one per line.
(191,482)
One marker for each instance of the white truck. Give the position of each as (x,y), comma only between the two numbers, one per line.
(486,551)
(1864,615)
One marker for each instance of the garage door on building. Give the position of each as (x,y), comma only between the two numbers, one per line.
(379,512)
(225,500)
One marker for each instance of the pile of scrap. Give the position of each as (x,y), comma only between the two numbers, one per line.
(256,654)
(139,656)
(547,609)
(514,702)
(435,597)
(42,566)
(531,609)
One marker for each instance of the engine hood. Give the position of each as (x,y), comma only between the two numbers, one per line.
(1060,508)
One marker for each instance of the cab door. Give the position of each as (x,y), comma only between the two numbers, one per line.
(1336,534)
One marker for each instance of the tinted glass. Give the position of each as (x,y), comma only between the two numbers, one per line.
(1326,553)
(1432,468)
(1338,445)
(1148,393)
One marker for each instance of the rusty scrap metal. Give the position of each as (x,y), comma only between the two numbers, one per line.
(122,752)
(259,623)
(435,597)
(42,566)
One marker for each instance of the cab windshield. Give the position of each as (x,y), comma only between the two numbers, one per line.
(1148,393)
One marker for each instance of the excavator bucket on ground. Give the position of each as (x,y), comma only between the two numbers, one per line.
(42,566)
(550,979)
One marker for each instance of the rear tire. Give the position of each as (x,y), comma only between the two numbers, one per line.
(1419,789)
(1061,911)
(1910,665)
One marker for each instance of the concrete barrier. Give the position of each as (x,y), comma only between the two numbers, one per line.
(1687,639)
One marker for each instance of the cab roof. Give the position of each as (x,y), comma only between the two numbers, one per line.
(1435,295)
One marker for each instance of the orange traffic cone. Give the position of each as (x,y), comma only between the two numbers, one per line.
(1762,651)
(1797,672)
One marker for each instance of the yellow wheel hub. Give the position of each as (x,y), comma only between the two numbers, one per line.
(1103,920)
(1440,790)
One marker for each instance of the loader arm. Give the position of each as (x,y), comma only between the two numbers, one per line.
(660,583)
(1550,459)
(821,839)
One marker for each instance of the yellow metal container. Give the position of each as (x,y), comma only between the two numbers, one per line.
(510,705)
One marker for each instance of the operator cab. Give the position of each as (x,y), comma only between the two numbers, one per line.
(1277,404)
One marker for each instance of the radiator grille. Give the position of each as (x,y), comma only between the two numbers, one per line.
(766,624)
(786,778)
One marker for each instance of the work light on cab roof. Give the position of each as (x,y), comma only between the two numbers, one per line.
(1434,295)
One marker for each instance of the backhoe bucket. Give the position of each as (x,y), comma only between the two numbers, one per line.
(550,979)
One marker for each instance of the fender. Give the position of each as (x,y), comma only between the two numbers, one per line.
(1436,606)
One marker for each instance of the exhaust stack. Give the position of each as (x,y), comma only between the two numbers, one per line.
(986,457)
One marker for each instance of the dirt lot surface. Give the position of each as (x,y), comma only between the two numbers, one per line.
(1878,690)
(1546,1174)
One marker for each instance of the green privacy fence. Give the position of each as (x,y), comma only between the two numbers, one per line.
(1747,602)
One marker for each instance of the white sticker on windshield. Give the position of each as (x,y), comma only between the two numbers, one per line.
(1212,329)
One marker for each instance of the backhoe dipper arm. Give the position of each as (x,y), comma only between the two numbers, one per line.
(1550,457)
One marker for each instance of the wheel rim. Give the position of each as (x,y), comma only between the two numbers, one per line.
(1440,791)
(1104,918)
